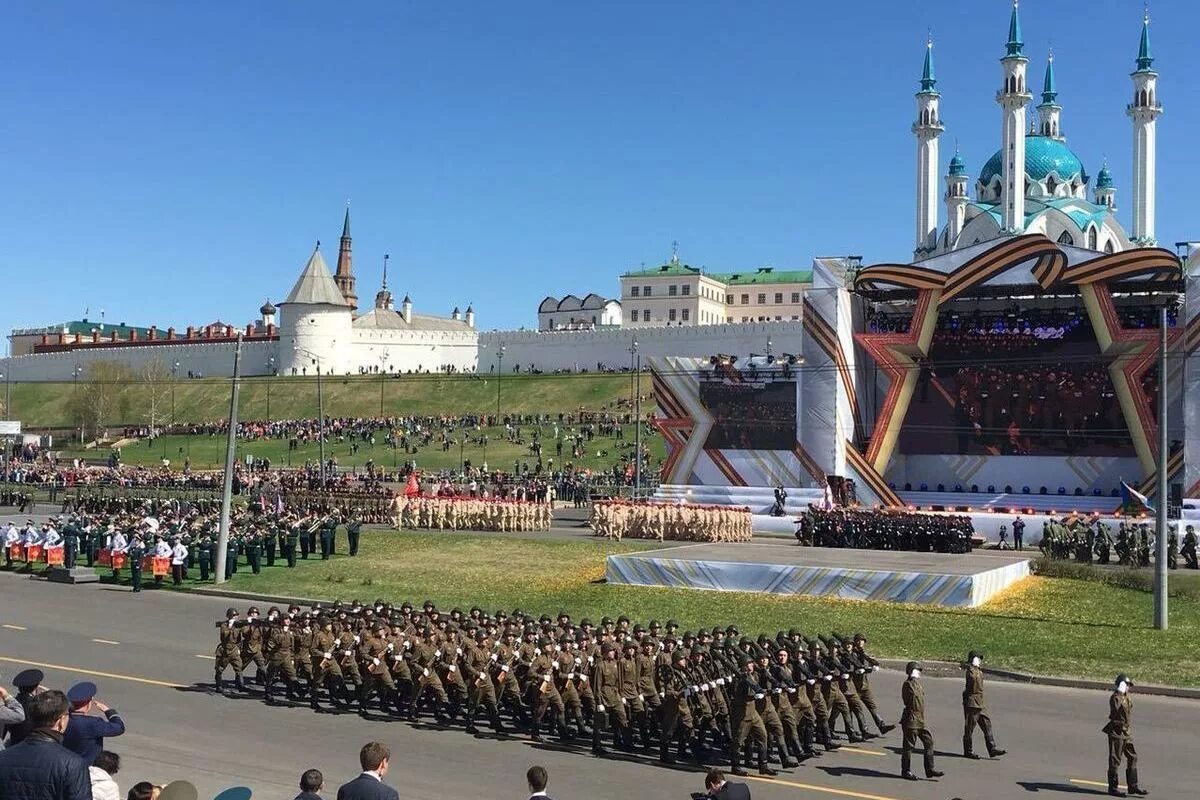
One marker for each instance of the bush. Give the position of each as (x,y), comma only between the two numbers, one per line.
(1120,577)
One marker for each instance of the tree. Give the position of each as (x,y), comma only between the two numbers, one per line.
(101,396)
(155,387)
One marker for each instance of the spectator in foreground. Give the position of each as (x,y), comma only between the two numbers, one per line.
(142,790)
(374,759)
(102,770)
(40,768)
(312,782)
(715,785)
(537,779)
(86,732)
(12,713)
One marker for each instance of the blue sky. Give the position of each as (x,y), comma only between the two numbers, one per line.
(173,163)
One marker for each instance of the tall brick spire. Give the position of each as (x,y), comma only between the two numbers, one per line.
(344,277)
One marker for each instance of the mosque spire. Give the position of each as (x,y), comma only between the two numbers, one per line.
(927,128)
(928,81)
(1049,87)
(1145,61)
(1015,44)
(1049,111)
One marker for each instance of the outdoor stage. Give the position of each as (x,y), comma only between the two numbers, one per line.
(961,581)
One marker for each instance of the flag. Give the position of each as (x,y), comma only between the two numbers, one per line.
(1133,501)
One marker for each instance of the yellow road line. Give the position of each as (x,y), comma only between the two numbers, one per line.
(812,787)
(16,627)
(104,641)
(210,658)
(97,673)
(1083,782)
(860,750)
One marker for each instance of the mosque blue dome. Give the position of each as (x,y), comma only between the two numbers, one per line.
(1104,178)
(957,167)
(1043,156)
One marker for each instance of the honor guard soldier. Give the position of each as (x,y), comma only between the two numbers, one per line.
(281,659)
(229,650)
(746,723)
(606,685)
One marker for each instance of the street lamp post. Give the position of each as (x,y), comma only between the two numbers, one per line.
(7,415)
(75,373)
(499,372)
(637,422)
(270,374)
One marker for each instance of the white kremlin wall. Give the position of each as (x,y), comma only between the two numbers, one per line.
(584,350)
(207,358)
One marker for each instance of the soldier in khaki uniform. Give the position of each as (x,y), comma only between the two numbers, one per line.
(325,668)
(229,650)
(280,654)
(1119,729)
(975,711)
(912,722)
(606,684)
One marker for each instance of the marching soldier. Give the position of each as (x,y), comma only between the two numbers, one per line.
(975,711)
(746,723)
(912,722)
(281,659)
(606,684)
(229,650)
(862,682)
(1120,739)
(326,669)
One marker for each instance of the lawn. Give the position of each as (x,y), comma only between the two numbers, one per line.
(208,452)
(42,406)
(1045,625)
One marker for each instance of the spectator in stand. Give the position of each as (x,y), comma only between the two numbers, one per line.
(85,733)
(12,713)
(102,770)
(537,779)
(374,758)
(312,782)
(40,768)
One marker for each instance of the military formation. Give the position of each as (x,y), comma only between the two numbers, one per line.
(885,529)
(617,519)
(469,514)
(1091,540)
(649,689)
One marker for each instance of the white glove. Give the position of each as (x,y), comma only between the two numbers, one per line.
(641,697)
(704,687)
(591,659)
(425,672)
(758,696)
(570,676)
(458,651)
(554,665)
(845,676)
(357,640)
(624,702)
(453,668)
(828,677)
(811,681)
(328,656)
(861,671)
(547,678)
(495,657)
(375,661)
(578,660)
(437,653)
(600,709)
(720,681)
(349,652)
(537,651)
(791,690)
(408,644)
(391,646)
(779,691)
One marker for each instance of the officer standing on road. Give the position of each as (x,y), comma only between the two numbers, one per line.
(974,710)
(137,551)
(912,722)
(1120,739)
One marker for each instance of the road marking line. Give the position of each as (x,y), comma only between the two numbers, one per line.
(826,789)
(104,641)
(210,658)
(862,750)
(16,627)
(1083,782)
(97,673)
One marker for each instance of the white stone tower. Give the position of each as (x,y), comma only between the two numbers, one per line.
(927,129)
(956,199)
(315,332)
(1049,111)
(1144,111)
(1013,97)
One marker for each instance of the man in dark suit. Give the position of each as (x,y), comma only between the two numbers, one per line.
(312,782)
(85,731)
(537,779)
(373,758)
(715,785)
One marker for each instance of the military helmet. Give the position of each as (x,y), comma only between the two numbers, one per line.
(230,613)
(910,666)
(1122,678)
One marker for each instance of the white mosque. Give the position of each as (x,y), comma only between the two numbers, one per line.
(1049,192)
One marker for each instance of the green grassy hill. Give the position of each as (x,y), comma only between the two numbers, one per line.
(43,406)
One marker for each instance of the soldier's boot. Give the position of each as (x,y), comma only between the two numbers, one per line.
(581,724)
(862,726)
(795,749)
(497,725)
(993,750)
(644,727)
(735,761)
(851,736)
(218,681)
(565,734)
(313,702)
(535,733)
(363,696)
(293,690)
(664,751)
(906,765)
(930,770)
(883,727)
(439,712)
(238,682)
(763,767)
(785,760)
(1131,784)
(597,749)
(825,736)
(1113,784)
(969,748)
(697,752)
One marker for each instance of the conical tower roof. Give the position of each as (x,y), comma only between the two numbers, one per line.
(315,285)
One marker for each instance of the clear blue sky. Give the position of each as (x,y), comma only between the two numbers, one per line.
(173,163)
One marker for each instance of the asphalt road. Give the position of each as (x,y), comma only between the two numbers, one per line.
(151,653)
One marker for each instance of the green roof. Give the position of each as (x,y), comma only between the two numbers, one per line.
(86,326)
(674,268)
(761,275)
(765,275)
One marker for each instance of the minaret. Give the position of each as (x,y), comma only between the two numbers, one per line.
(1049,110)
(956,199)
(1144,111)
(1013,97)
(383,298)
(927,129)
(1106,194)
(344,277)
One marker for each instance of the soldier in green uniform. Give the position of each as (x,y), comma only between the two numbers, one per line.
(1120,739)
(1173,549)
(252,645)
(606,684)
(912,722)
(481,690)
(290,542)
(1189,548)
(676,715)
(229,650)
(545,692)
(745,722)
(865,666)
(254,551)
(269,539)
(975,710)
(326,669)
(378,679)
(280,652)
(204,548)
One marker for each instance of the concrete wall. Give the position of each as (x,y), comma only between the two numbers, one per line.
(413,351)
(209,358)
(583,350)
